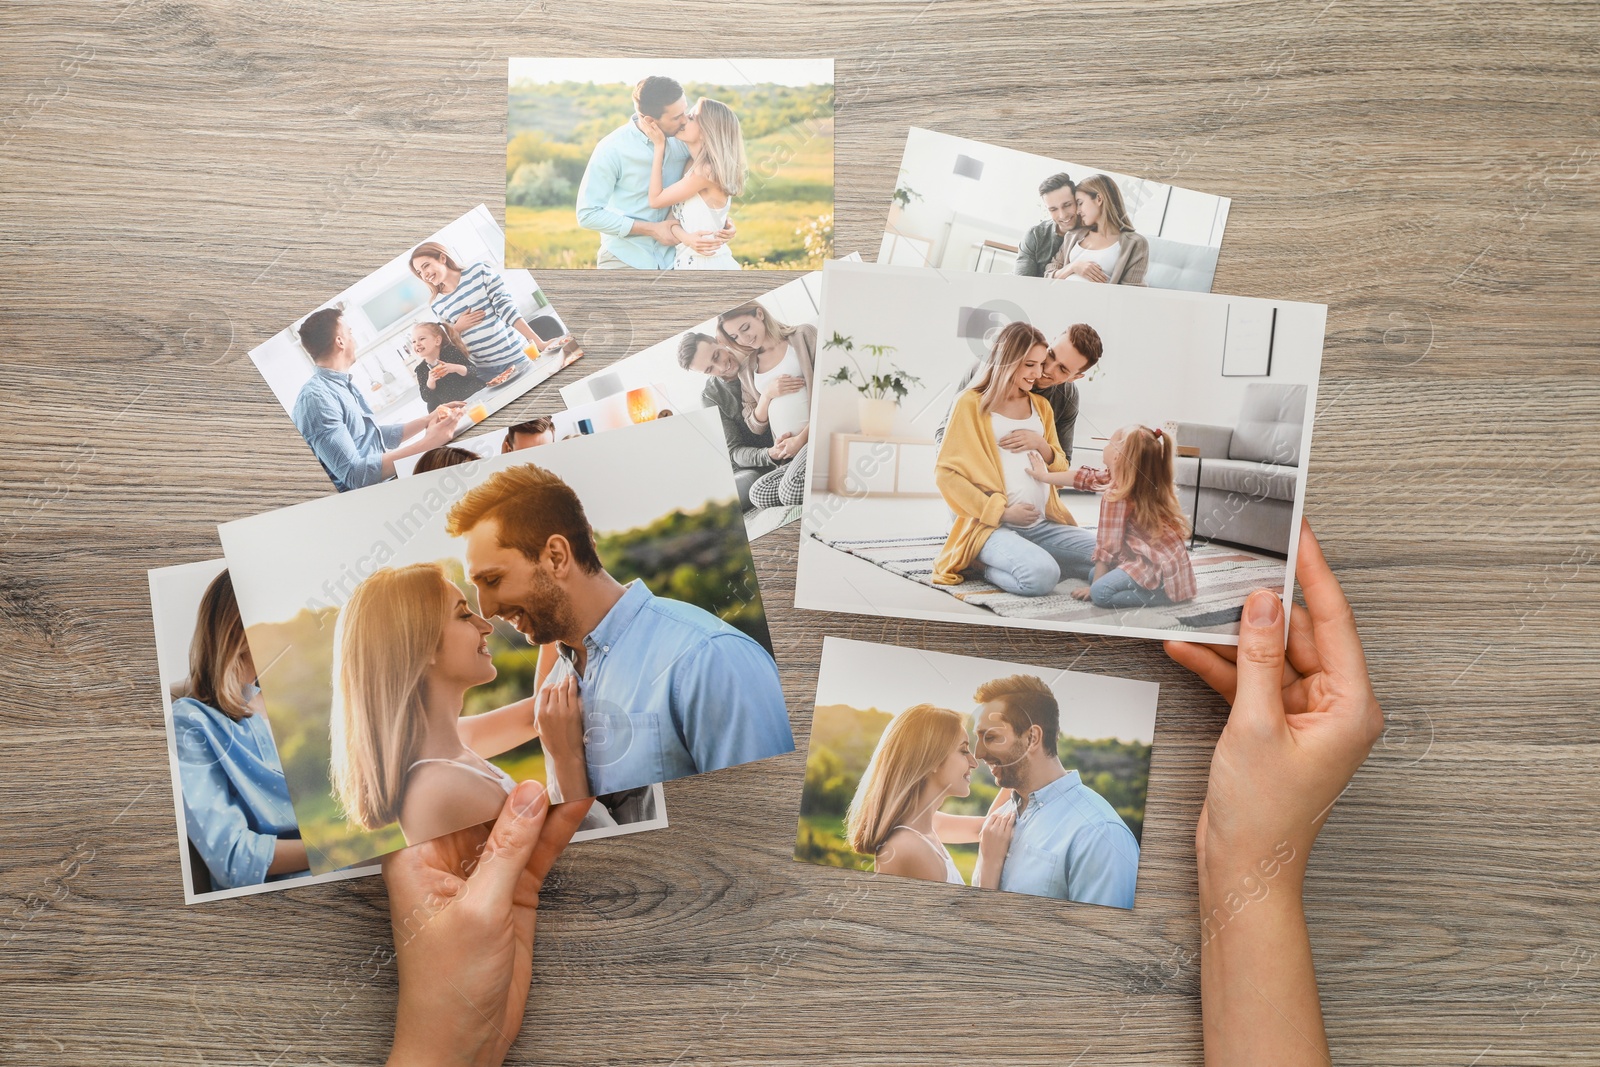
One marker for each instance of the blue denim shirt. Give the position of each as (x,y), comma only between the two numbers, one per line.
(615,191)
(336,422)
(235,800)
(1071,844)
(669,690)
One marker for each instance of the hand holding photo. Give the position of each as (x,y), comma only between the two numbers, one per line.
(970,498)
(669,164)
(631,645)
(977,773)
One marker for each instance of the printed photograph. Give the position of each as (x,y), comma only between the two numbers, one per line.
(669,164)
(237,831)
(423,348)
(960,204)
(977,773)
(753,364)
(585,613)
(1009,451)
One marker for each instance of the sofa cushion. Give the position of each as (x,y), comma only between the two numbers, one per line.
(1263,481)
(1177,265)
(1271,423)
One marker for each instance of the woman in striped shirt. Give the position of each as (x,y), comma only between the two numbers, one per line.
(475,302)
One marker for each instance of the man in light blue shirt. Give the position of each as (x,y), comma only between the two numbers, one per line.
(1069,842)
(338,424)
(614,196)
(667,688)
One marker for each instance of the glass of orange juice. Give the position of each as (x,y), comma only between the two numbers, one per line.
(477,413)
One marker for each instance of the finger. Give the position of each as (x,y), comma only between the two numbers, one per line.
(512,842)
(1259,690)
(1303,656)
(559,827)
(1206,662)
(1333,623)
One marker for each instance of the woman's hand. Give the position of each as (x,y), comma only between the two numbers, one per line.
(1020,515)
(784,448)
(1301,723)
(561,732)
(468,319)
(1081,594)
(782,385)
(994,841)
(462,909)
(1026,441)
(1085,268)
(652,129)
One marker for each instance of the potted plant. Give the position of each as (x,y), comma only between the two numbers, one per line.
(881,391)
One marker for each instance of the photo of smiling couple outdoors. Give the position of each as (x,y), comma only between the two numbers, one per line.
(1106,459)
(428,345)
(977,773)
(585,613)
(669,164)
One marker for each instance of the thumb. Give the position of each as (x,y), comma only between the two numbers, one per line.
(1259,694)
(512,841)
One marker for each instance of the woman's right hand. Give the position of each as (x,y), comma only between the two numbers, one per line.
(652,129)
(1020,515)
(1302,722)
(468,319)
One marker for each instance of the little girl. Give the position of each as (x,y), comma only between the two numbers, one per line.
(1139,554)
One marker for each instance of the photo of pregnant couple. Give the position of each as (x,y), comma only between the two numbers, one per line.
(670,164)
(1037,787)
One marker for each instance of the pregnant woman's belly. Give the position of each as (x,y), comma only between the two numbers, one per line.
(789,413)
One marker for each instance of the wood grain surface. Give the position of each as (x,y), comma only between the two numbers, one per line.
(182,179)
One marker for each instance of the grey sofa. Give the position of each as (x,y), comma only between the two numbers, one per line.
(1175,265)
(1246,472)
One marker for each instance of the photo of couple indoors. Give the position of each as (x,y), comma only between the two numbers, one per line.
(759,375)
(1047,833)
(631,689)
(659,188)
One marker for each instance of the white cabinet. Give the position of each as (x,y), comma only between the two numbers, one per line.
(881,466)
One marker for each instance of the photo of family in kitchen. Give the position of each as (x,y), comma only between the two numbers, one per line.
(427,346)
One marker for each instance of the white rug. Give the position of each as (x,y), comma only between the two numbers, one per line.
(1225,576)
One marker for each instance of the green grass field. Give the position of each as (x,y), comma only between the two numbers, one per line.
(791,184)
(821,841)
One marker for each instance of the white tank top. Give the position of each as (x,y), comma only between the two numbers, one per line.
(792,412)
(1106,257)
(951,875)
(493,773)
(1021,487)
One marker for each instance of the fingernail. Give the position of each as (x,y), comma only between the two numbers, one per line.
(528,799)
(1263,608)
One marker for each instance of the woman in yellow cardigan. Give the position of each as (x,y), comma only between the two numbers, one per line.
(1012,526)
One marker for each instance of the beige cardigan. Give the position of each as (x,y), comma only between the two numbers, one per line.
(1131,262)
(804,342)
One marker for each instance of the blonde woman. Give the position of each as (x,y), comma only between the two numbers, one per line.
(406,649)
(775,386)
(922,759)
(1105,247)
(236,806)
(715,174)
(1010,526)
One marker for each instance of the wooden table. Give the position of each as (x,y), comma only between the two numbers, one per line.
(181,180)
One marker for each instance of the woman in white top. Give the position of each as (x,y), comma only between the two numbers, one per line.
(406,649)
(1105,248)
(715,175)
(923,758)
(775,386)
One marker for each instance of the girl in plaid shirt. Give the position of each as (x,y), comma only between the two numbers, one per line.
(1139,555)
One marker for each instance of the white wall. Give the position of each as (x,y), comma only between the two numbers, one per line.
(1162,361)
(1004,202)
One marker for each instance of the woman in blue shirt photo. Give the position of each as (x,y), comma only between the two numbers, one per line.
(235,800)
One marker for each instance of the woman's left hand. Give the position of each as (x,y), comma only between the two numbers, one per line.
(462,909)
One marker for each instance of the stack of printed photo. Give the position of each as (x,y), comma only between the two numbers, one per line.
(1028,411)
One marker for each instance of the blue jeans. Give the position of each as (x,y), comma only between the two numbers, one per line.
(1117,589)
(1032,560)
